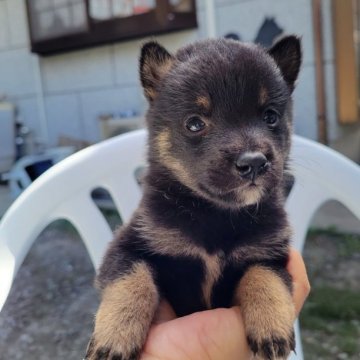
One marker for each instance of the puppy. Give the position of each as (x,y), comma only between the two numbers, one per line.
(211,230)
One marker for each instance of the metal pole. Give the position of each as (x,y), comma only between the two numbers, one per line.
(210,18)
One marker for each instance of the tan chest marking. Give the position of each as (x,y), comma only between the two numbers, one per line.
(214,264)
(172,242)
(268,249)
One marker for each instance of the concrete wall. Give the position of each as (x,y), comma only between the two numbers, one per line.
(80,85)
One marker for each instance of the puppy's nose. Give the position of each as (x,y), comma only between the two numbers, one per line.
(251,164)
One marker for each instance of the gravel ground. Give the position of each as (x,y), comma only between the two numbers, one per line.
(330,320)
(49,312)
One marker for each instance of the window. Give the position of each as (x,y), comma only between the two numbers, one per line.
(56,18)
(63,25)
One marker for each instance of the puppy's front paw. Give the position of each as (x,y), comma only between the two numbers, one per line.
(124,316)
(268,313)
(111,351)
(273,346)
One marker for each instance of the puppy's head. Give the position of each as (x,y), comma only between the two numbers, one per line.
(220,115)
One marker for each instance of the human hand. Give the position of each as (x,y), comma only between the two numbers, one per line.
(214,334)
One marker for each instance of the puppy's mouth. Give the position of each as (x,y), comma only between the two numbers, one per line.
(231,190)
(235,197)
(221,182)
(222,191)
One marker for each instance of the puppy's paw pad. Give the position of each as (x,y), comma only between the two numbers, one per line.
(272,348)
(107,354)
(97,352)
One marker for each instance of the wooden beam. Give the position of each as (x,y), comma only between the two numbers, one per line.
(319,66)
(347,83)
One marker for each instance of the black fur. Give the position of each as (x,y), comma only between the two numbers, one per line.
(192,186)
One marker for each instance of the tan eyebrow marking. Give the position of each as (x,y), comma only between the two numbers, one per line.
(203,101)
(263,95)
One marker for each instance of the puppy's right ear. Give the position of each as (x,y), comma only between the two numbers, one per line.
(155,63)
(287,54)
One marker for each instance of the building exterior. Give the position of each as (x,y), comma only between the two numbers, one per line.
(64,94)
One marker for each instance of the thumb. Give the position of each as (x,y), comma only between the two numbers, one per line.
(214,335)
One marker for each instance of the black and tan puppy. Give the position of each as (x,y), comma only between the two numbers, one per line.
(211,230)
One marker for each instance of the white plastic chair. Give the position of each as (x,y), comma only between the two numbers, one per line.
(321,174)
(19,178)
(64,192)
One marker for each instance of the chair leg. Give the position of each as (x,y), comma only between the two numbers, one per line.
(7,272)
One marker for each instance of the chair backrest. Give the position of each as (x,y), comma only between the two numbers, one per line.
(321,174)
(64,192)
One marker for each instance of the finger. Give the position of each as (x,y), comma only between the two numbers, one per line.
(215,335)
(301,285)
(164,313)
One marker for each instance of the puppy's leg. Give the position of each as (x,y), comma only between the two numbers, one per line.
(268,312)
(124,316)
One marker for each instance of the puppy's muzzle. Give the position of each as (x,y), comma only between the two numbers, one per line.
(251,164)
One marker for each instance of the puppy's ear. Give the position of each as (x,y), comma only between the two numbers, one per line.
(155,62)
(287,54)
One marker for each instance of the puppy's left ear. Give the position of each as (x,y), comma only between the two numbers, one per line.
(287,54)
(155,63)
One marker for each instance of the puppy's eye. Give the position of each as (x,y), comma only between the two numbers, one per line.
(195,124)
(271,118)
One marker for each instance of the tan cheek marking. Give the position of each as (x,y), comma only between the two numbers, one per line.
(164,149)
(203,102)
(163,143)
(263,95)
(150,93)
(266,304)
(126,311)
